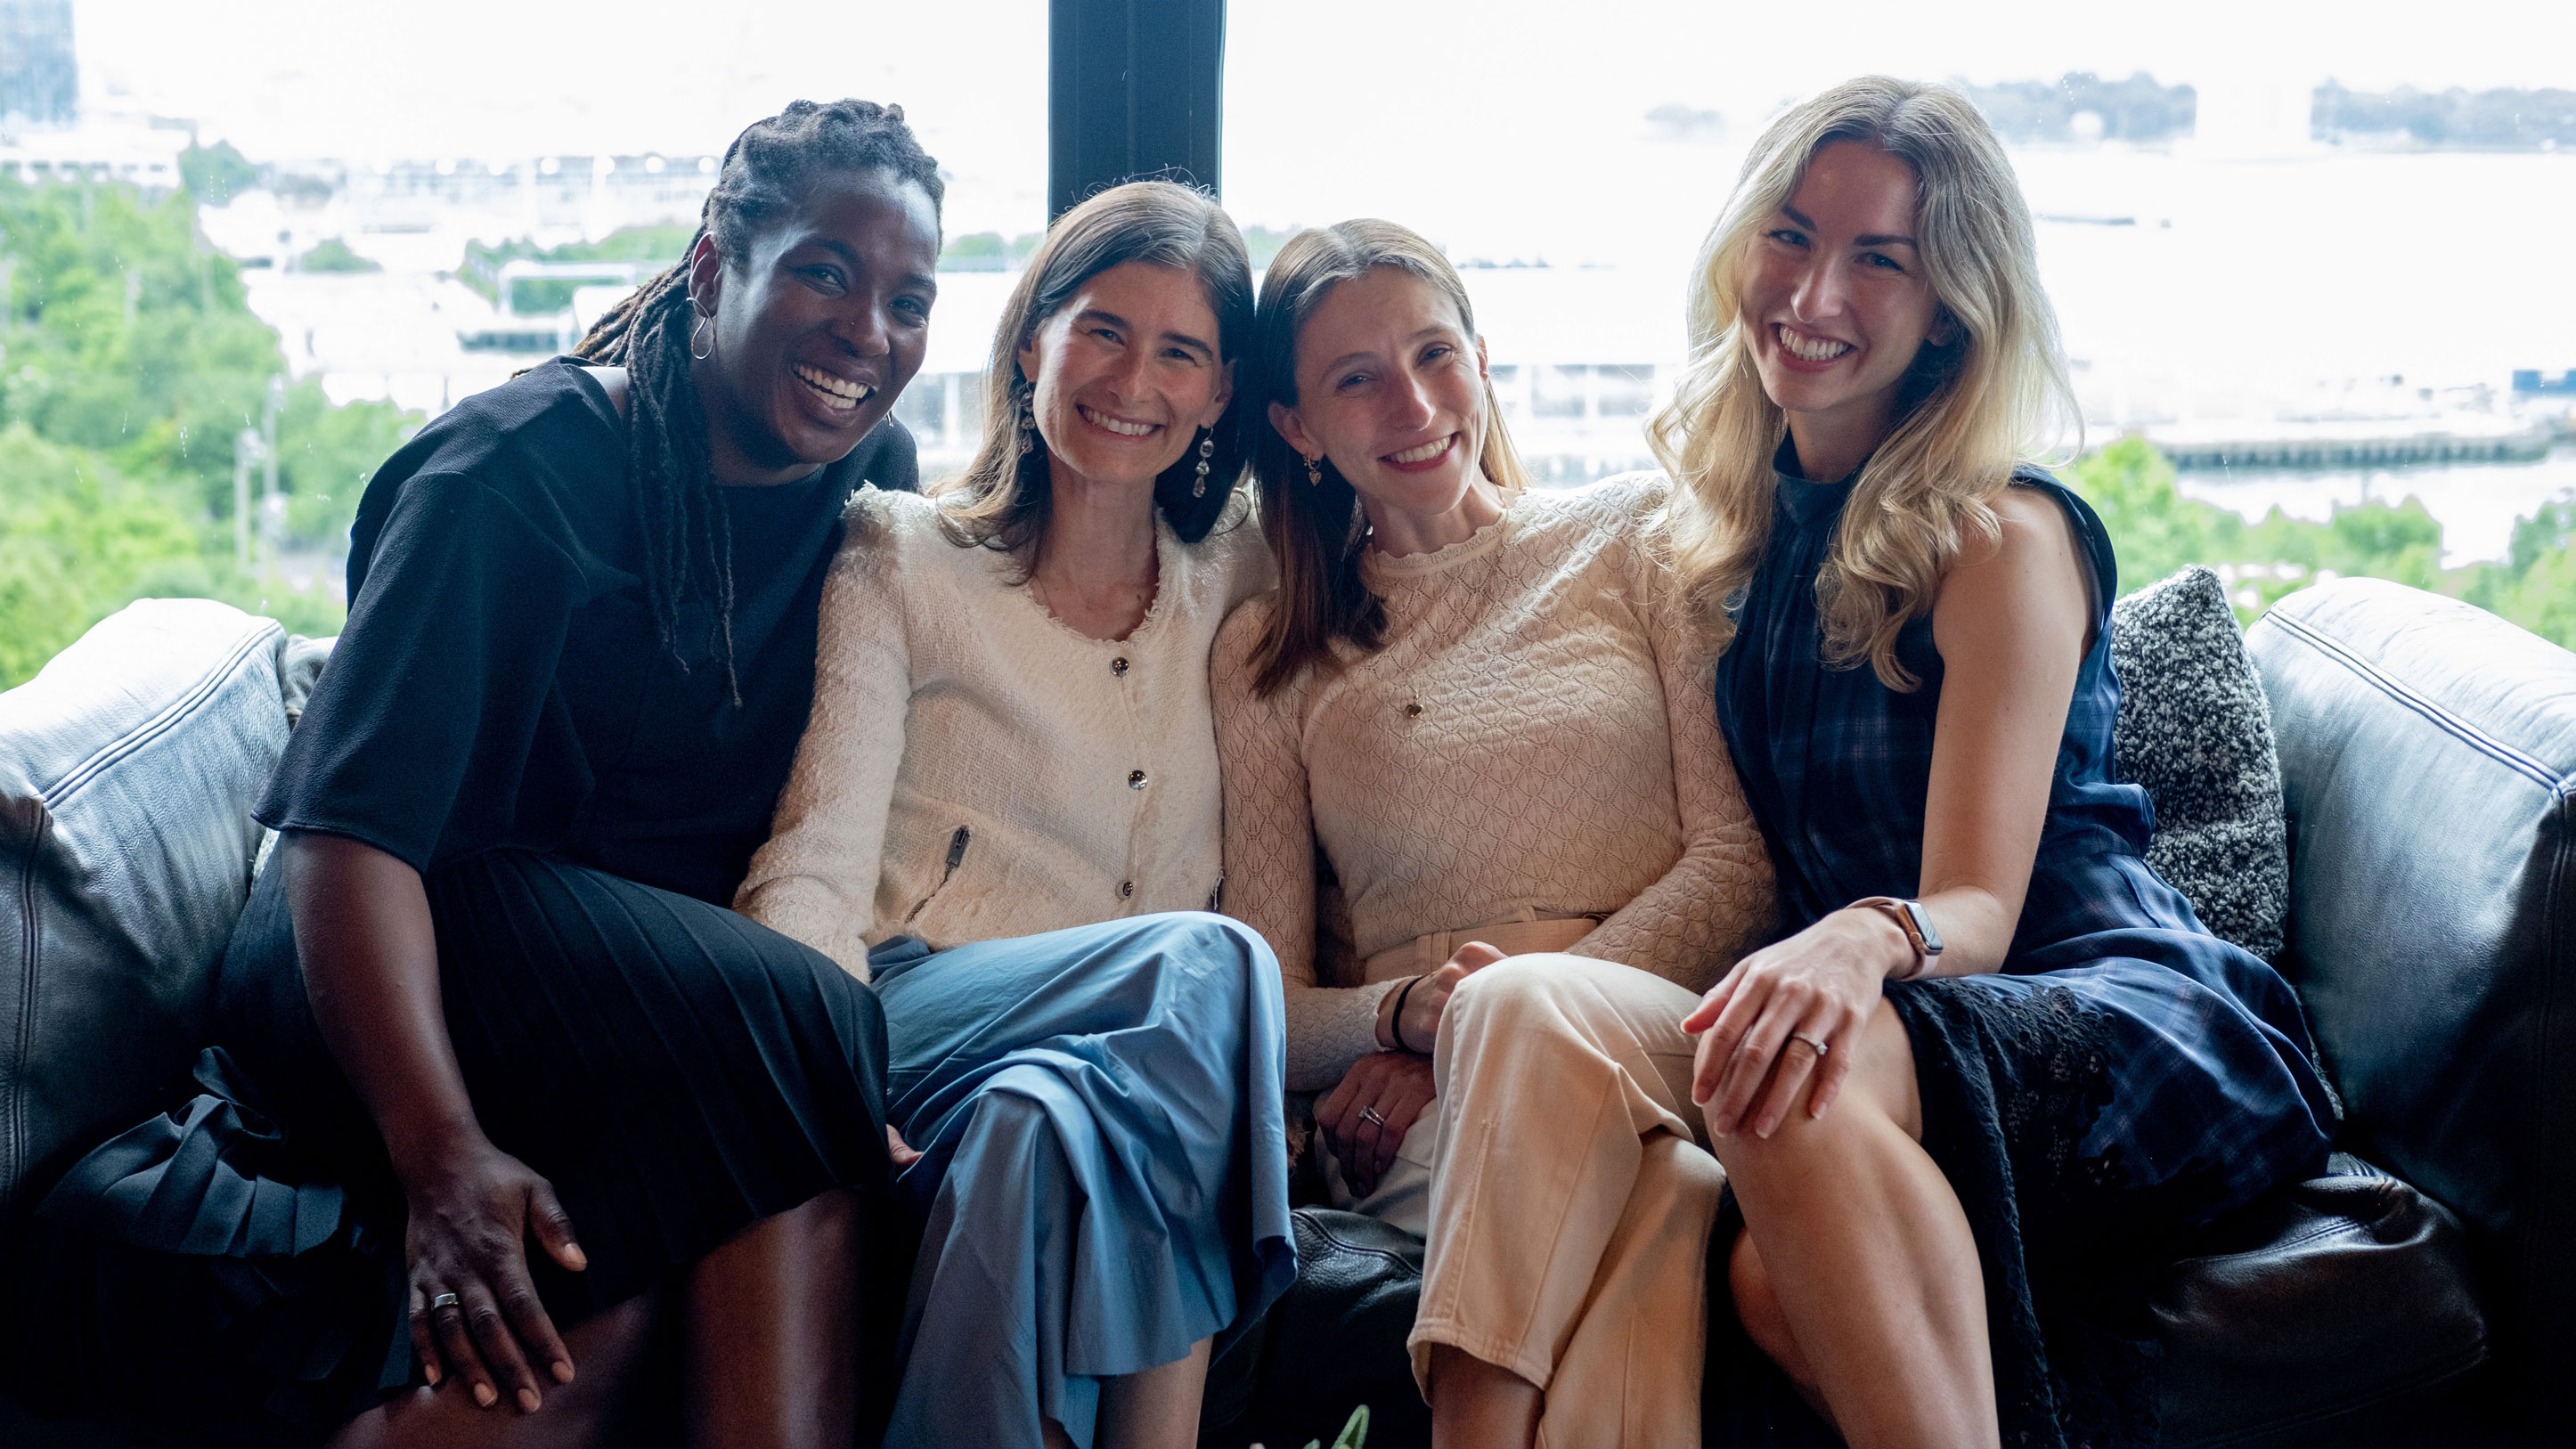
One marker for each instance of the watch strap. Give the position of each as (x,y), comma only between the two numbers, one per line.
(1916,923)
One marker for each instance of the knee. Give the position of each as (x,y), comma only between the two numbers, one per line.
(1539,1003)
(1518,991)
(1207,936)
(1877,1109)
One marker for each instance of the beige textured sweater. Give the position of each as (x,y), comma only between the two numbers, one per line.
(1565,759)
(974,769)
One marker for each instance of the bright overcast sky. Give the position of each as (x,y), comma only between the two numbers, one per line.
(496,78)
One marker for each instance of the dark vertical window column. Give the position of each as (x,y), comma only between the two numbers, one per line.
(1134,88)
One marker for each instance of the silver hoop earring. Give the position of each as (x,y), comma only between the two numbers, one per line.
(1315,472)
(1207,450)
(702,329)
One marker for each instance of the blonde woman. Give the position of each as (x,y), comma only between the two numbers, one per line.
(1004,816)
(1482,706)
(1997,1060)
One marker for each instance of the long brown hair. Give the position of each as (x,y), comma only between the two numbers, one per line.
(1003,499)
(1317,530)
(1969,410)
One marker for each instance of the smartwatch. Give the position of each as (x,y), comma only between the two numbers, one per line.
(1916,923)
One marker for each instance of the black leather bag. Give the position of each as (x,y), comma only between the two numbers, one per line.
(1333,1341)
(2326,1299)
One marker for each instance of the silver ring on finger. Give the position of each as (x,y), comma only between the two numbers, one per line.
(443,1300)
(1820,1047)
(1373,1116)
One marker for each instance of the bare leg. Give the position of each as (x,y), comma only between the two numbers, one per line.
(773,1332)
(1478,1405)
(1757,1305)
(1157,1408)
(1863,1253)
(607,1346)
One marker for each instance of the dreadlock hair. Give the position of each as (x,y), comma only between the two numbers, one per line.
(1004,497)
(688,545)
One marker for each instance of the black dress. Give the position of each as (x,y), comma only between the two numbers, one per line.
(502,714)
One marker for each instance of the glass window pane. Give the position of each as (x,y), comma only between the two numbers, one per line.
(2306,265)
(391,208)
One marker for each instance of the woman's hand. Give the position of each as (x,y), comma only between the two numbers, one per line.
(1418,1029)
(901,1153)
(473,1208)
(1799,1004)
(1366,1116)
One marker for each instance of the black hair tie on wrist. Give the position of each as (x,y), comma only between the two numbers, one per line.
(1400,1042)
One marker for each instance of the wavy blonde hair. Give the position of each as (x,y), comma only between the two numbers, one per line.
(1970,410)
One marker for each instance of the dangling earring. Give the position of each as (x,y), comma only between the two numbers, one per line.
(702,329)
(1315,471)
(1207,450)
(1028,422)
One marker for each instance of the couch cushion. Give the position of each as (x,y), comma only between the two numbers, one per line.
(2332,1295)
(128,767)
(2195,731)
(2428,754)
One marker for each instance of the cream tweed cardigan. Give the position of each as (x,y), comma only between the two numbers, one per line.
(974,769)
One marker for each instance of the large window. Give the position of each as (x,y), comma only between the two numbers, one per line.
(2311,266)
(249,248)
(2305,261)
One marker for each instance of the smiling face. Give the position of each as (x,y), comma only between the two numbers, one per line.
(1391,388)
(1125,374)
(1836,303)
(817,326)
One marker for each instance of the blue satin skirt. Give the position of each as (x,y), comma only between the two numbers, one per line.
(1104,1178)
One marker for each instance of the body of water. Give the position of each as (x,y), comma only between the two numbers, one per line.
(2476,504)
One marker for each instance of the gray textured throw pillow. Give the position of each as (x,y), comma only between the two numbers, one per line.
(2196,731)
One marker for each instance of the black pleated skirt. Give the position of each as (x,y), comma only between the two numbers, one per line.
(676,1071)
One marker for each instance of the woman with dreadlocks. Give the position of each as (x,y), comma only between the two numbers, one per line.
(1005,812)
(488,987)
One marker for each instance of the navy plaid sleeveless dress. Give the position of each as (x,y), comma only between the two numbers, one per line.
(2125,1076)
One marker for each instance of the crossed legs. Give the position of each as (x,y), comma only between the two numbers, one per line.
(1564,1287)
(1856,1272)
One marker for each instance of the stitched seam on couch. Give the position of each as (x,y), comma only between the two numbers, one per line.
(168,719)
(2397,690)
(13,1150)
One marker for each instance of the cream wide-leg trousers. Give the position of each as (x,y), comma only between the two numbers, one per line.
(1571,1198)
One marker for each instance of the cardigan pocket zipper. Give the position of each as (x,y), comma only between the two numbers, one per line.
(957,844)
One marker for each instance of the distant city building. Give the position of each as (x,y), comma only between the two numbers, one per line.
(39,75)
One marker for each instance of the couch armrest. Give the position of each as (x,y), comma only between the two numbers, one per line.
(2427,749)
(128,768)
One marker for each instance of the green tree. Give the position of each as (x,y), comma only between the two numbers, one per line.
(2155,530)
(331,254)
(216,174)
(655,247)
(129,362)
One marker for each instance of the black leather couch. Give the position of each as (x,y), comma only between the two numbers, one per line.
(2428,751)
